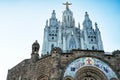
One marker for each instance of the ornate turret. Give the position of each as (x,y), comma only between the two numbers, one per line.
(35,51)
(35,47)
(87,23)
(87,17)
(51,34)
(92,37)
(53,19)
(98,37)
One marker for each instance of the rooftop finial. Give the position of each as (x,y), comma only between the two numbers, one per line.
(96,26)
(53,14)
(86,16)
(67,5)
(95,23)
(86,13)
(53,11)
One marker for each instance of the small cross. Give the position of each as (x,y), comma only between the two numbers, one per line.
(67,5)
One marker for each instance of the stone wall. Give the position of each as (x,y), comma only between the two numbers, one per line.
(52,67)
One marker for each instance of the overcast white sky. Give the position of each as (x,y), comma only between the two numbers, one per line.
(22,22)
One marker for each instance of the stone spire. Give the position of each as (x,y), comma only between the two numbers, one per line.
(86,17)
(87,23)
(53,14)
(98,36)
(96,26)
(53,19)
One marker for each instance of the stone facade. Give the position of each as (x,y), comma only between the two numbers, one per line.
(54,66)
(80,61)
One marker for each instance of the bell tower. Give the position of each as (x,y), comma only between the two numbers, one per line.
(35,51)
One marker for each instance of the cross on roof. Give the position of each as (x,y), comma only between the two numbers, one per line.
(67,5)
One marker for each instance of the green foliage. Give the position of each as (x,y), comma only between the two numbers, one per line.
(116,52)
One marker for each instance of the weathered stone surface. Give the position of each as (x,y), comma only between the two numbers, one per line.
(52,67)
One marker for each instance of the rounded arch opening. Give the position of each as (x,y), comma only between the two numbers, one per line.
(90,73)
(81,62)
(68,78)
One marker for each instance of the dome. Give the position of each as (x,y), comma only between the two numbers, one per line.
(67,18)
(67,12)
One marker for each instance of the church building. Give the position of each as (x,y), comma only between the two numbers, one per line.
(67,36)
(68,53)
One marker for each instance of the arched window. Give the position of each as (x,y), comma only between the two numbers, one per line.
(68,79)
(49,34)
(55,34)
(72,43)
(91,39)
(65,18)
(93,48)
(94,37)
(52,38)
(52,46)
(113,79)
